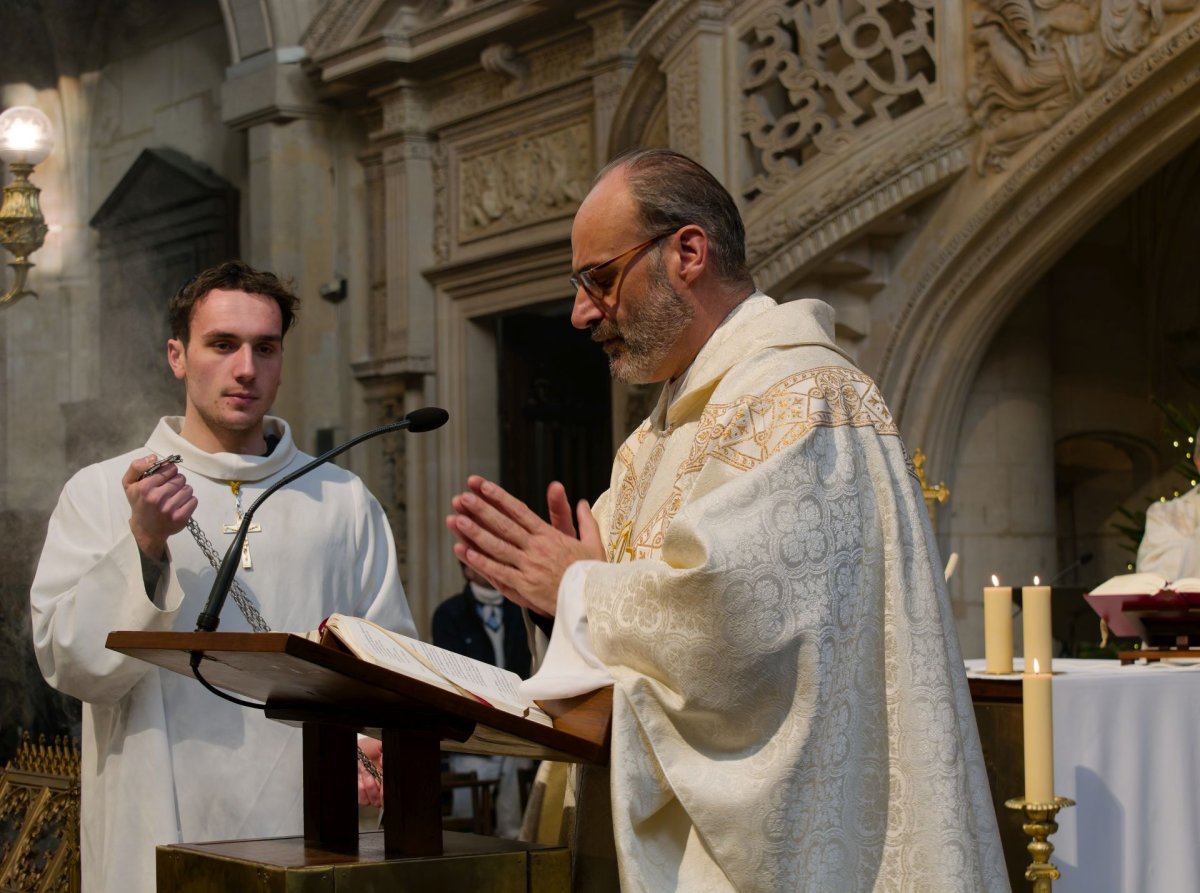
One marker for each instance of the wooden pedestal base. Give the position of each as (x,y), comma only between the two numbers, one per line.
(288,865)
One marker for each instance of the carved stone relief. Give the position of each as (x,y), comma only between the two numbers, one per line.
(1058,163)
(395,480)
(404,110)
(441,229)
(1036,60)
(548,66)
(666,24)
(535,178)
(503,59)
(868,185)
(822,78)
(683,116)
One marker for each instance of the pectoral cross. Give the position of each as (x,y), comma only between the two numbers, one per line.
(235,487)
(253,528)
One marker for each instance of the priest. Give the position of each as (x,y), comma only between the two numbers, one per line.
(1170,546)
(131,546)
(759,582)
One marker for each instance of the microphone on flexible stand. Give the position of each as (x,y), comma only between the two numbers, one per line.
(1083,559)
(426,418)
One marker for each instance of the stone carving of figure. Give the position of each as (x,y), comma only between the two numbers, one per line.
(1035,59)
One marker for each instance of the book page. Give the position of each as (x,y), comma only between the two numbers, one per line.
(1186,584)
(490,683)
(1131,584)
(496,686)
(367,640)
(445,669)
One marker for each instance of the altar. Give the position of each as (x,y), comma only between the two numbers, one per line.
(1127,751)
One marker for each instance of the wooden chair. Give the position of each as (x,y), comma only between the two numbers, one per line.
(482,819)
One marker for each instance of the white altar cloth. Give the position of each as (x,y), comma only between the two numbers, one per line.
(1127,751)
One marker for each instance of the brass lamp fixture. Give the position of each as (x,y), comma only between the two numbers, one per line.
(25,141)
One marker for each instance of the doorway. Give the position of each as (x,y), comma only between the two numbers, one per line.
(555,406)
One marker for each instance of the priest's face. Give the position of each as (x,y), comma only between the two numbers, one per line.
(231,367)
(641,336)
(625,295)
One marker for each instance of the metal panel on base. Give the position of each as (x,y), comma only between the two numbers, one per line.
(289,865)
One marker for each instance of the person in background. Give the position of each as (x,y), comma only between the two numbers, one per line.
(482,624)
(1170,546)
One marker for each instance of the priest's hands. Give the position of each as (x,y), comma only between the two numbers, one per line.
(370,793)
(523,556)
(162,503)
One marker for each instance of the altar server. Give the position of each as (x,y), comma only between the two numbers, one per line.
(164,760)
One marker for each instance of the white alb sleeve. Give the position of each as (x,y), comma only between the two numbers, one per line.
(571,666)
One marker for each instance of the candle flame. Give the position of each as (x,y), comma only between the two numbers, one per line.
(1035,665)
(995,580)
(1036,581)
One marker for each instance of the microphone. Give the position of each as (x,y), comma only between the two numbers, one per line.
(427,418)
(1083,559)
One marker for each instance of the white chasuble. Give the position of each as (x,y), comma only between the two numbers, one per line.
(1170,547)
(790,709)
(165,761)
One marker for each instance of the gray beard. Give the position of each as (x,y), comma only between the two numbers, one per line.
(652,328)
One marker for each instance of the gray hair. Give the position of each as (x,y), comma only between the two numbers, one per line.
(672,191)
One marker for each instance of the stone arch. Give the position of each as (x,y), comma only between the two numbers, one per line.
(258,26)
(1119,135)
(641,113)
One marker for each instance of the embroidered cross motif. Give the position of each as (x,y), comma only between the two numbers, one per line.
(622,548)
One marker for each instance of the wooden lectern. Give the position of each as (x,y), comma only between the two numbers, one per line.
(333,695)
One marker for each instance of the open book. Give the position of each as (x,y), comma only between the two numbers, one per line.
(1145,584)
(419,660)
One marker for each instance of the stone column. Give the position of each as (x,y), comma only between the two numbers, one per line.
(398,370)
(1002,510)
(612,63)
(693,57)
(290,210)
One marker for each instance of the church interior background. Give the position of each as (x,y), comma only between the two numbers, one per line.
(999,200)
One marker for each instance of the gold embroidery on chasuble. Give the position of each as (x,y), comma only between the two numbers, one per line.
(637,471)
(741,434)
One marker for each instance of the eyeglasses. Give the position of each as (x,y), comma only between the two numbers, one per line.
(583,279)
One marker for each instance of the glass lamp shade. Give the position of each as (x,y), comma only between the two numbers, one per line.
(25,135)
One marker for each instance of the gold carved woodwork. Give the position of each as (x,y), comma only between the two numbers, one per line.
(39,818)
(1036,61)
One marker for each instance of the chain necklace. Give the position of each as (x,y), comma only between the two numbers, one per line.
(251,613)
(253,617)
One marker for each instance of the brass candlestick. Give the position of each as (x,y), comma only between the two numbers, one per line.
(1040,824)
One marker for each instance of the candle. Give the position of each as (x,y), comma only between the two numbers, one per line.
(998,627)
(1039,736)
(1035,623)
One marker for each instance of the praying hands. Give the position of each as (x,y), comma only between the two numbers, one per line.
(521,555)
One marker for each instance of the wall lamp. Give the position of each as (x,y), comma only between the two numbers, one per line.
(25,141)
